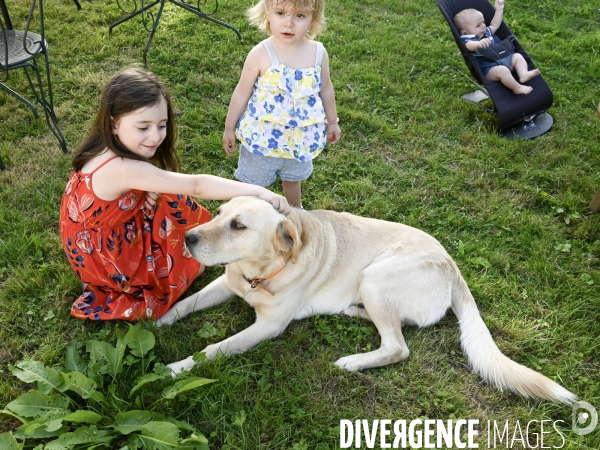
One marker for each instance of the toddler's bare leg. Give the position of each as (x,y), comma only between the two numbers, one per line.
(519,65)
(292,192)
(504,76)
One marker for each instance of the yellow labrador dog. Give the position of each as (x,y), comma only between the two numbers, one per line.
(324,262)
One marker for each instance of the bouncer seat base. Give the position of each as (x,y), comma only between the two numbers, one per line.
(530,128)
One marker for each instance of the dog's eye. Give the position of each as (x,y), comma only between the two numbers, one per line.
(235,225)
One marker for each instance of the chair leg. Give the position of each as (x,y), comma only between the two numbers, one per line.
(47,103)
(2,166)
(49,106)
(21,98)
(77,4)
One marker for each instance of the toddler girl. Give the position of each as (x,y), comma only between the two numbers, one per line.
(284,104)
(131,256)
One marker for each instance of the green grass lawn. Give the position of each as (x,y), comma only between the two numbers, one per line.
(512,213)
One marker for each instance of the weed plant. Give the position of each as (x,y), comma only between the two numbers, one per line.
(92,402)
(512,213)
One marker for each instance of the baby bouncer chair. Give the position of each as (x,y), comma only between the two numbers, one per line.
(519,116)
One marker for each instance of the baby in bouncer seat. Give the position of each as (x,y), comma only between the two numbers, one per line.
(478,37)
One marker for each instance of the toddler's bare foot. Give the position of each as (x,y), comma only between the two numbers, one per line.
(523,90)
(529,75)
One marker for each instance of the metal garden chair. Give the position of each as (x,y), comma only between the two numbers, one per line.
(20,50)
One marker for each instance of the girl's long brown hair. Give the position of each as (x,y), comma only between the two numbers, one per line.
(126,92)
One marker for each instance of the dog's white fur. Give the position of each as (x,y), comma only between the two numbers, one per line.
(389,273)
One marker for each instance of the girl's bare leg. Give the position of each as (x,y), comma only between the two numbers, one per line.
(504,76)
(292,192)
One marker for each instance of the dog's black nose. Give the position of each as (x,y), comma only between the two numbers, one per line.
(190,238)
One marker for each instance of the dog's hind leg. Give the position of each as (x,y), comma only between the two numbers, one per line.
(357,310)
(396,289)
(393,347)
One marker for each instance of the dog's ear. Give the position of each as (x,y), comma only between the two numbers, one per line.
(287,238)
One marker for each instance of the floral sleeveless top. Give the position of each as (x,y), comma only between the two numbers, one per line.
(132,261)
(285,117)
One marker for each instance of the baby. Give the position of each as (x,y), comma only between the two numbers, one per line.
(476,35)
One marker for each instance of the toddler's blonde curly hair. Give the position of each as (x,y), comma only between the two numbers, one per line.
(258,14)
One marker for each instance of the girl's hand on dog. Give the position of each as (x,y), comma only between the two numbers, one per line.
(279,202)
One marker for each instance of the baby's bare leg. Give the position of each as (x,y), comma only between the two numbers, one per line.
(519,65)
(504,76)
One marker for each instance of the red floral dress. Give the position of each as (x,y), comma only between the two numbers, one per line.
(133,261)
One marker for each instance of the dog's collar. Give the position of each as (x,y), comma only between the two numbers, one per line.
(255,282)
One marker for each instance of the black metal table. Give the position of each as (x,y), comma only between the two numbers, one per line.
(6,16)
(143,10)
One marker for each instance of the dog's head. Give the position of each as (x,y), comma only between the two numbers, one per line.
(244,229)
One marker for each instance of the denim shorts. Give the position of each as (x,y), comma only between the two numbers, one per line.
(263,170)
(486,64)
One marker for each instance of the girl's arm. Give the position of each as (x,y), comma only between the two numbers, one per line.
(123,175)
(241,95)
(497,19)
(328,98)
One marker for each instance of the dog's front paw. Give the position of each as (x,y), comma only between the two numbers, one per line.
(169,318)
(349,363)
(181,366)
(212,350)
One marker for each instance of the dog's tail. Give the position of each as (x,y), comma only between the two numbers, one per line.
(488,361)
